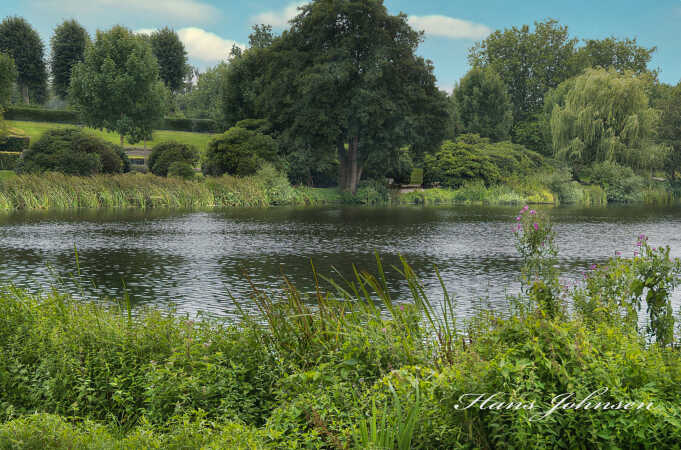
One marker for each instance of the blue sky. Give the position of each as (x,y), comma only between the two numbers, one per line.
(209,27)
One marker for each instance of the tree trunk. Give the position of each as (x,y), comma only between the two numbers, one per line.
(24,93)
(349,171)
(121,140)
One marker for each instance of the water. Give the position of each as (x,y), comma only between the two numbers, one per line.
(195,260)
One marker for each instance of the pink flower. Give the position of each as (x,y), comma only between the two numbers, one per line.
(401,307)
(384,330)
(635,254)
(525,208)
(533,212)
(638,244)
(518,218)
(593,266)
(536,227)
(618,253)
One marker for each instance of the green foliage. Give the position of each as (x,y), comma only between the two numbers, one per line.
(529,62)
(620,183)
(416,177)
(192,125)
(117,86)
(482,105)
(181,169)
(165,154)
(622,55)
(604,116)
(670,129)
(9,160)
(71,151)
(11,143)
(8,75)
(20,41)
(68,48)
(203,99)
(472,158)
(362,108)
(42,115)
(238,152)
(171,56)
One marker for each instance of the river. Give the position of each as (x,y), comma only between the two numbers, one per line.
(195,260)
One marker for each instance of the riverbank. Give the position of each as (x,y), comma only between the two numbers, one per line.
(359,370)
(136,190)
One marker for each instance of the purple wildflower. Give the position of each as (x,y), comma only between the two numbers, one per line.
(536,226)
(533,212)
(593,266)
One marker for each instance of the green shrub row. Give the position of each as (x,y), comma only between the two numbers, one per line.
(9,160)
(72,117)
(14,143)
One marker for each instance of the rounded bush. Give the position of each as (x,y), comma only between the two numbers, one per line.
(74,152)
(238,151)
(165,154)
(181,169)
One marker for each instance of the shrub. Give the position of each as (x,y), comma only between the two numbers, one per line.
(166,153)
(181,169)
(416,177)
(14,143)
(42,115)
(239,151)
(620,183)
(9,160)
(192,125)
(72,151)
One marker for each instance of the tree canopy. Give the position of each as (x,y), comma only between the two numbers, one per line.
(171,56)
(117,86)
(482,104)
(622,55)
(19,40)
(68,48)
(601,116)
(8,75)
(345,78)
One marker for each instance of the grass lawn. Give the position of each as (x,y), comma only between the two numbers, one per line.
(35,129)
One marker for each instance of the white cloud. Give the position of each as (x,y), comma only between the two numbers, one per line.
(278,19)
(449,27)
(184,10)
(201,45)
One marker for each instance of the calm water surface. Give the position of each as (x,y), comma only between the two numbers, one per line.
(196,259)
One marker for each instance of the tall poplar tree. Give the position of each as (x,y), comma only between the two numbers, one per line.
(68,48)
(20,41)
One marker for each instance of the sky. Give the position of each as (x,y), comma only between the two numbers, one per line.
(209,28)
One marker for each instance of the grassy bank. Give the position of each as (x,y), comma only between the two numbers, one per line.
(351,374)
(56,191)
(36,129)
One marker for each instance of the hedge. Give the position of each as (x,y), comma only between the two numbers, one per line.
(72,117)
(14,143)
(41,115)
(9,160)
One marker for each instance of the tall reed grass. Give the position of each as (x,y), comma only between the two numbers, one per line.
(57,191)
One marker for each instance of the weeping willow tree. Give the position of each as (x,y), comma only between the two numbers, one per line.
(602,116)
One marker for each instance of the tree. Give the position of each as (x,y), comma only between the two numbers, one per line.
(483,105)
(238,151)
(345,79)
(8,75)
(670,129)
(529,63)
(203,101)
(261,36)
(622,55)
(68,48)
(19,40)
(171,56)
(117,86)
(604,116)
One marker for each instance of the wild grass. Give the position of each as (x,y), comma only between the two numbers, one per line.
(35,129)
(473,194)
(136,190)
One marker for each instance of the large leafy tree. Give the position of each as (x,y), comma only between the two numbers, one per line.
(482,104)
(171,56)
(203,100)
(8,75)
(19,40)
(670,128)
(345,78)
(529,62)
(117,86)
(604,116)
(68,48)
(620,54)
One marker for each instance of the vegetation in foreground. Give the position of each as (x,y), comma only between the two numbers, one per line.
(359,370)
